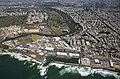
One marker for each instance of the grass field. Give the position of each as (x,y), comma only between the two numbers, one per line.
(35,37)
(25,39)
(56,19)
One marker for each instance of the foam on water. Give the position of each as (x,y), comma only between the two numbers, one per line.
(43,70)
(76,69)
(58,65)
(20,56)
(106,73)
(85,71)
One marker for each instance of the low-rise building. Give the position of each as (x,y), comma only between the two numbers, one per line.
(34,30)
(85,61)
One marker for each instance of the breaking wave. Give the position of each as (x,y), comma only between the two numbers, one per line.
(83,71)
(20,56)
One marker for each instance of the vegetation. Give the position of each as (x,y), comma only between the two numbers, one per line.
(36,37)
(25,39)
(67,19)
(11,20)
(29,39)
(56,19)
(56,16)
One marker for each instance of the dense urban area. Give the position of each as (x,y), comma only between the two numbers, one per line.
(87,32)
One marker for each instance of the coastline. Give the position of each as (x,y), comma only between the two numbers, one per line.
(40,60)
(64,67)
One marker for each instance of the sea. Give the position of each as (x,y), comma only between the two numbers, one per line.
(18,66)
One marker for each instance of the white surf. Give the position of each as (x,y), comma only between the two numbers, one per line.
(83,71)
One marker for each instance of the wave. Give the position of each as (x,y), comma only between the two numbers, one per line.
(43,70)
(20,56)
(106,73)
(58,65)
(75,69)
(83,71)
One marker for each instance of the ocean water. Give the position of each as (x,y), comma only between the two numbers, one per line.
(17,66)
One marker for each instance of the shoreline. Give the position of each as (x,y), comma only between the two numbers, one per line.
(40,61)
(22,55)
